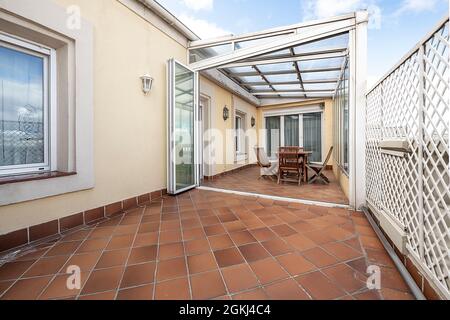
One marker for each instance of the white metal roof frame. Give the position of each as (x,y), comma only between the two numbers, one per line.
(292,62)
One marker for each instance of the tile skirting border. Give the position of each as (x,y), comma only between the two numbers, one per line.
(210,178)
(419,278)
(27,236)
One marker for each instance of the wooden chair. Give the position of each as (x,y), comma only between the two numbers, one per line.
(268,168)
(319,169)
(289,164)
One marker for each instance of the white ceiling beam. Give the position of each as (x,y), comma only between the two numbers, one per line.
(312,34)
(293,93)
(198,44)
(333,53)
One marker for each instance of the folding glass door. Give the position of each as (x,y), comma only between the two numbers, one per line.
(183,113)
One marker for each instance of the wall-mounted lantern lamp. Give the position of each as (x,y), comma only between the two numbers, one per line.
(147,83)
(253,122)
(226,113)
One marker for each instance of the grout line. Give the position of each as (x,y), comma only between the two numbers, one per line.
(130,249)
(155,274)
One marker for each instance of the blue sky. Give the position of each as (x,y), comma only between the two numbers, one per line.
(396,25)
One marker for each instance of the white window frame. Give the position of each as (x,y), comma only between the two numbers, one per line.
(49,104)
(240,145)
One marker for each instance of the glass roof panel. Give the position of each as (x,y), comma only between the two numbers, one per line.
(258,42)
(241,69)
(321,63)
(321,75)
(337,41)
(276,67)
(276,53)
(196,55)
(260,88)
(320,86)
(251,79)
(288,87)
(282,78)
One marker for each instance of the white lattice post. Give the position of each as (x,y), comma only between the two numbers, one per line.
(358,88)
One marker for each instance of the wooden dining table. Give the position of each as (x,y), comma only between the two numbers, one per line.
(304,155)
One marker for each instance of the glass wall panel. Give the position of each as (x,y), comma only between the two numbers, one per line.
(273,126)
(184,127)
(312,135)
(291,131)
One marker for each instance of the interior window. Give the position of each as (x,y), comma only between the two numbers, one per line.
(24,144)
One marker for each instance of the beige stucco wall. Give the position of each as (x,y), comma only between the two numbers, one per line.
(129,161)
(224,138)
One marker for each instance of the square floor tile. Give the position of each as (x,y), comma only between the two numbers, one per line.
(142,254)
(268,270)
(113,258)
(239,278)
(319,286)
(220,242)
(254,252)
(207,286)
(201,263)
(214,230)
(242,238)
(228,257)
(103,280)
(13,270)
(285,290)
(28,289)
(177,289)
(347,278)
(319,257)
(295,264)
(197,246)
(263,234)
(252,295)
(63,249)
(138,274)
(85,261)
(171,250)
(143,293)
(277,247)
(283,230)
(171,269)
(46,266)
(120,242)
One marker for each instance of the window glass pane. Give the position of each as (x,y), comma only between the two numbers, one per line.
(312,135)
(291,131)
(321,63)
(276,67)
(288,87)
(320,86)
(328,75)
(273,135)
(282,78)
(196,55)
(21,109)
(340,41)
(184,127)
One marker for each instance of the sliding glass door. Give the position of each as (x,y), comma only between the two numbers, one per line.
(312,135)
(295,130)
(291,131)
(183,168)
(273,126)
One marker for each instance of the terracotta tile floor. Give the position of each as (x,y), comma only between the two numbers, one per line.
(206,245)
(246,180)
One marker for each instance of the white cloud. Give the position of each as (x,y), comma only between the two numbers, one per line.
(318,9)
(204,29)
(416,6)
(199,4)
